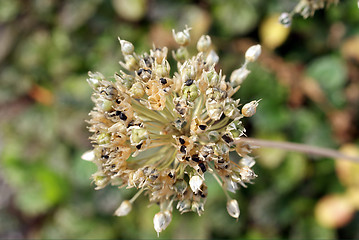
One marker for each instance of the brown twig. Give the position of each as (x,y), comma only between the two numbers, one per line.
(324,152)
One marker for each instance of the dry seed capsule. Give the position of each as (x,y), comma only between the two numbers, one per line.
(127,48)
(183,37)
(239,75)
(233,208)
(285,19)
(195,183)
(204,43)
(249,109)
(124,208)
(161,221)
(253,53)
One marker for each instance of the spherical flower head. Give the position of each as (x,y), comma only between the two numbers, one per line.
(164,134)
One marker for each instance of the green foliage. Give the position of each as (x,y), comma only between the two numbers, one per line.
(47,48)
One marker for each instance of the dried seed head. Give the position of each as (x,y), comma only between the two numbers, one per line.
(233,208)
(161,221)
(162,133)
(124,209)
(253,53)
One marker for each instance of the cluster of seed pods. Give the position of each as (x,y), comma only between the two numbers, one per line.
(164,135)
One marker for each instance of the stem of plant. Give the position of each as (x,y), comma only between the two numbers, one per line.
(324,152)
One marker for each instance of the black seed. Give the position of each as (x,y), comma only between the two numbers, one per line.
(118,101)
(227,138)
(113,165)
(189,82)
(221,161)
(170,175)
(181,140)
(183,149)
(139,72)
(139,146)
(203,167)
(195,158)
(123,116)
(149,71)
(202,195)
(186,158)
(202,127)
(163,81)
(105,156)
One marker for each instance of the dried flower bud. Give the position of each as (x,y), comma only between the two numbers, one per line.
(94,79)
(204,43)
(126,47)
(124,209)
(184,206)
(253,53)
(195,183)
(233,208)
(198,207)
(183,37)
(137,90)
(285,19)
(249,109)
(161,221)
(239,75)
(212,58)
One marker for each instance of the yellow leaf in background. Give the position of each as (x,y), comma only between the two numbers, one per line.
(334,211)
(352,194)
(347,171)
(350,48)
(271,33)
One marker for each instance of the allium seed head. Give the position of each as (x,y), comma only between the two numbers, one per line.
(164,134)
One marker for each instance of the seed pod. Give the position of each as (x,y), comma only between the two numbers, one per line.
(253,53)
(212,58)
(233,208)
(137,90)
(249,109)
(184,205)
(126,47)
(285,19)
(204,43)
(195,183)
(161,221)
(124,209)
(183,37)
(239,75)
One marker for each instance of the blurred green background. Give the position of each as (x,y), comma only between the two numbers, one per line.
(307,78)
